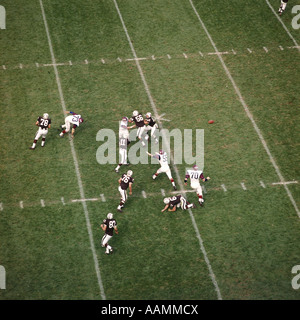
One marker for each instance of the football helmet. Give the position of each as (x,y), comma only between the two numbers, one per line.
(166,200)
(45,115)
(81,120)
(110,216)
(129,173)
(135,113)
(195,167)
(148,115)
(124,118)
(161,151)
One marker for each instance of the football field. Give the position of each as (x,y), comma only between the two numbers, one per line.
(187,62)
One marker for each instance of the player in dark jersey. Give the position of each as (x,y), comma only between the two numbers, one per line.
(151,125)
(172,203)
(283,4)
(138,119)
(108,225)
(44,123)
(125,182)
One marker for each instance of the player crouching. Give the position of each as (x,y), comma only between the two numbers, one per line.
(75,119)
(172,203)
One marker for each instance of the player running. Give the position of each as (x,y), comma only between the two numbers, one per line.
(74,119)
(151,125)
(172,203)
(138,119)
(125,182)
(162,157)
(108,225)
(195,174)
(44,123)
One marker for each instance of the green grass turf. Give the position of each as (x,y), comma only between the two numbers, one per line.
(251,237)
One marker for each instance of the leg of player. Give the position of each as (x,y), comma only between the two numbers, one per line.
(37,136)
(168,173)
(153,129)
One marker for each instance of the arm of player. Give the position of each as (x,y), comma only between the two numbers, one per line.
(72,132)
(103,226)
(37,123)
(165,208)
(173,209)
(116,230)
(130,187)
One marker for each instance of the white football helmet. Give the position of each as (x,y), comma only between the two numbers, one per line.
(110,216)
(195,167)
(148,115)
(135,113)
(129,173)
(45,115)
(166,200)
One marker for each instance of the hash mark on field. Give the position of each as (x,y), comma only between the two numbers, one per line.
(62,200)
(144,194)
(1,206)
(201,54)
(3,67)
(224,187)
(20,66)
(243,186)
(102,197)
(163,192)
(21,205)
(103,61)
(281,48)
(119,59)
(266,49)
(233,51)
(204,189)
(84,200)
(37,65)
(70,63)
(86,61)
(262,184)
(169,57)
(153,58)
(42,203)
(249,50)
(185,55)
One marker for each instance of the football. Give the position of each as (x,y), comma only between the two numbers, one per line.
(211,121)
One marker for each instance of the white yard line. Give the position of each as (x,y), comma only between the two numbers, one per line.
(211,273)
(284,26)
(250,116)
(63,105)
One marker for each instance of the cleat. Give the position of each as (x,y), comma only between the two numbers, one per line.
(116,170)
(61,135)
(120,210)
(194,206)
(111,250)
(174,187)
(106,252)
(32,148)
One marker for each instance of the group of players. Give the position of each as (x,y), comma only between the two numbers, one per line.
(144,126)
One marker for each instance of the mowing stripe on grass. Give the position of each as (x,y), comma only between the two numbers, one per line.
(284,26)
(211,273)
(237,90)
(62,100)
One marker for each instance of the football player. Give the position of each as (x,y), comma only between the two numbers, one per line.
(123,142)
(282,7)
(108,225)
(74,119)
(125,182)
(162,157)
(44,123)
(195,174)
(151,125)
(172,203)
(138,119)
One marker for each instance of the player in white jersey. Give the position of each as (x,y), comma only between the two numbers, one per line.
(162,157)
(195,174)
(74,119)
(283,4)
